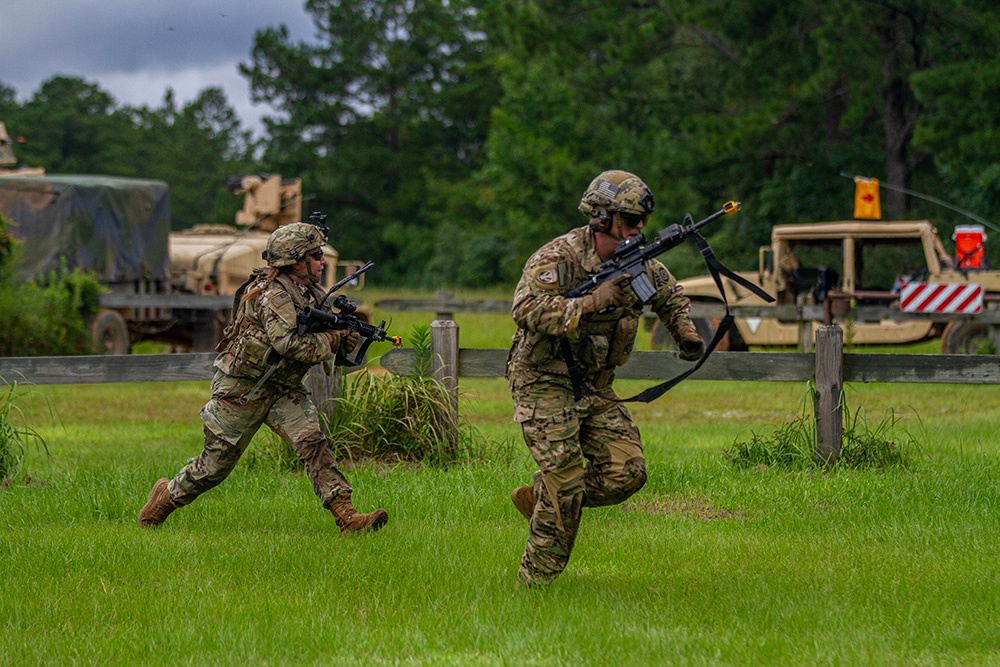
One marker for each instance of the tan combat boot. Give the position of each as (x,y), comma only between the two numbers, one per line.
(159,506)
(349,521)
(524,500)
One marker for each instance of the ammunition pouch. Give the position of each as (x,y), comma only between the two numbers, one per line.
(622,341)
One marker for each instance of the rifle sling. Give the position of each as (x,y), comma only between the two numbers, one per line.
(358,353)
(715,268)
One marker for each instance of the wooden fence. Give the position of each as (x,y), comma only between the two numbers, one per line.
(828,367)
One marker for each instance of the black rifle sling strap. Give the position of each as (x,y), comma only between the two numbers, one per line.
(716,269)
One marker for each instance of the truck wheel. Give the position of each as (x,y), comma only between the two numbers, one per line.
(110,333)
(966,338)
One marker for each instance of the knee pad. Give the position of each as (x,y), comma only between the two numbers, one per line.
(634,476)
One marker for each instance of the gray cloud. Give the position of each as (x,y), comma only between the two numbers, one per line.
(136,49)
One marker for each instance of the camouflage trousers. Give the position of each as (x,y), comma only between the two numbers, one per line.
(588,454)
(230,426)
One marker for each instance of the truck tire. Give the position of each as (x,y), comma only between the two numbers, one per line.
(109,333)
(966,338)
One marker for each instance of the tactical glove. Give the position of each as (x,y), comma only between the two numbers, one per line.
(349,340)
(692,347)
(333,336)
(610,294)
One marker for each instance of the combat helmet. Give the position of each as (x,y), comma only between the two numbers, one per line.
(290,243)
(615,191)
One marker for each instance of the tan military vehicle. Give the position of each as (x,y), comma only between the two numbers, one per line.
(847,264)
(216,259)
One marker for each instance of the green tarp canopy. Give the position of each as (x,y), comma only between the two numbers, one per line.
(115,227)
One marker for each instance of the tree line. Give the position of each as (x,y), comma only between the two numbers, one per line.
(447,139)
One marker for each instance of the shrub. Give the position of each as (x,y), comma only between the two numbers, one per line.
(388,417)
(401,418)
(50,319)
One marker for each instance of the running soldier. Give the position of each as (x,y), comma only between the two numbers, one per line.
(588,451)
(258,380)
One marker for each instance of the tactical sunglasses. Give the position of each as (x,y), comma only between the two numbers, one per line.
(633,219)
(316,254)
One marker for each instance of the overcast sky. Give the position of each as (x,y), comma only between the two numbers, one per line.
(136,49)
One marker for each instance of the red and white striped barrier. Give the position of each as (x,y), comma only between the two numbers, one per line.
(941,298)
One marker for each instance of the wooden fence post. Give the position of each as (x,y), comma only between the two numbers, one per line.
(805,328)
(444,351)
(829,388)
(323,387)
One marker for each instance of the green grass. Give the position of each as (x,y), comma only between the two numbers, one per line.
(708,564)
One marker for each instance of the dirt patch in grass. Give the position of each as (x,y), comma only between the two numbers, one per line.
(8,482)
(694,507)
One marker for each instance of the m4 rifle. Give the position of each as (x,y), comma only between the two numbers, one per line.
(631,255)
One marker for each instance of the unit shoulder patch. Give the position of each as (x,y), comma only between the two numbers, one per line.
(547,277)
(661,277)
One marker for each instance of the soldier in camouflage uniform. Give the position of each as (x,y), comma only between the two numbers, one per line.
(588,451)
(245,395)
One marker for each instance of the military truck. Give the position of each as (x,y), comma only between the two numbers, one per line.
(212,260)
(846,265)
(170,287)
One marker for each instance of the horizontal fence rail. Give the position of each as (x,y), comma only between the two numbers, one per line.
(643,365)
(751,366)
(108,368)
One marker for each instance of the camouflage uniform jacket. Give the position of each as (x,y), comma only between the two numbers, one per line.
(599,342)
(268,322)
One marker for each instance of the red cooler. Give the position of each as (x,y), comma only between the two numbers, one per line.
(970,243)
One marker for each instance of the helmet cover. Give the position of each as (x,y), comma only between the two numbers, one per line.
(290,243)
(617,191)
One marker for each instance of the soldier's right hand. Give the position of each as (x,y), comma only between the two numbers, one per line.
(610,294)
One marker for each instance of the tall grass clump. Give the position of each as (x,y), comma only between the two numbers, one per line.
(389,418)
(401,418)
(792,444)
(15,434)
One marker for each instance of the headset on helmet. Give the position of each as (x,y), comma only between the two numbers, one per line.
(615,191)
(290,243)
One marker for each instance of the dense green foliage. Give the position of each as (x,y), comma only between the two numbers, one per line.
(43,319)
(449,139)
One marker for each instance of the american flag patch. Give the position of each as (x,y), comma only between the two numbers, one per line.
(607,189)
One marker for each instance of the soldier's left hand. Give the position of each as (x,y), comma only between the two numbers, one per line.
(349,341)
(692,347)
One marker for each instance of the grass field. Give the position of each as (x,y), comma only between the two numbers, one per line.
(707,565)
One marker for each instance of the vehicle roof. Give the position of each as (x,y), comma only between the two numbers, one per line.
(852,228)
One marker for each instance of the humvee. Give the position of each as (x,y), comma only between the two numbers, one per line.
(849,263)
